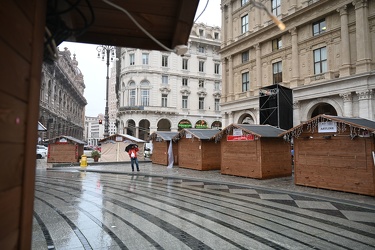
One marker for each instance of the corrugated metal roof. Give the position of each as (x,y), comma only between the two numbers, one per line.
(165,135)
(203,134)
(261,130)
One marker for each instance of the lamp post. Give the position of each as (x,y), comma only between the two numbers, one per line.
(109,51)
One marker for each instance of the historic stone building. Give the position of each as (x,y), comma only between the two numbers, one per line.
(325,55)
(161,91)
(62,104)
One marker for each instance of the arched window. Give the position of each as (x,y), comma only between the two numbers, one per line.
(132,94)
(145,93)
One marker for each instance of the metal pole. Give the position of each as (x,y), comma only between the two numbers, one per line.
(106,115)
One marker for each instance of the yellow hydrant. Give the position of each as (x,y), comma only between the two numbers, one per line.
(83,161)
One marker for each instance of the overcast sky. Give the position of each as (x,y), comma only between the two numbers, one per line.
(94,70)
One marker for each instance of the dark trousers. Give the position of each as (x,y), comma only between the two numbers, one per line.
(132,161)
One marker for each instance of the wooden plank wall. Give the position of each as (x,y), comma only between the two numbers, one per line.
(21,47)
(62,153)
(276,158)
(159,152)
(339,163)
(211,155)
(189,153)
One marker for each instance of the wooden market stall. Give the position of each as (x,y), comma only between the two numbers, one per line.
(197,149)
(113,148)
(160,143)
(335,153)
(256,151)
(64,149)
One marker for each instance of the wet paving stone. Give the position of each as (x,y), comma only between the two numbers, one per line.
(93,210)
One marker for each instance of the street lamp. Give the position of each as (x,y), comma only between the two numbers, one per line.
(109,51)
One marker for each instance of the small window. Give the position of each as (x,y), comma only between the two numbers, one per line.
(201,83)
(319,27)
(276,7)
(145,58)
(320,60)
(164,100)
(184,63)
(243,2)
(217,86)
(201,49)
(245,56)
(184,82)
(131,59)
(164,80)
(245,82)
(201,32)
(132,97)
(216,35)
(277,44)
(217,68)
(217,104)
(201,103)
(277,72)
(244,24)
(164,61)
(184,102)
(201,66)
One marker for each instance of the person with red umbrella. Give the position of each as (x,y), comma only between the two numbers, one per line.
(133,156)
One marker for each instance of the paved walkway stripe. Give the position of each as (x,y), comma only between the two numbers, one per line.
(46,234)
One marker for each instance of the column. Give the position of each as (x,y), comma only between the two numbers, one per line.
(230,79)
(231,117)
(296,113)
(364,104)
(223,28)
(345,48)
(224,83)
(230,23)
(363,38)
(257,18)
(295,58)
(137,131)
(348,104)
(259,65)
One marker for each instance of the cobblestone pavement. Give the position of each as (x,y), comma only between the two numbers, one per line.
(108,207)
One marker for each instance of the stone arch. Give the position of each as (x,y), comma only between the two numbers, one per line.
(311,106)
(130,127)
(164,124)
(247,118)
(144,129)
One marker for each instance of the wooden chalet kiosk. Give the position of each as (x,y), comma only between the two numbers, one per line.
(113,148)
(197,149)
(256,151)
(335,153)
(160,143)
(64,149)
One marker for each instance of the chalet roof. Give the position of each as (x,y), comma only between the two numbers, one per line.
(258,130)
(202,134)
(70,138)
(129,137)
(165,135)
(354,122)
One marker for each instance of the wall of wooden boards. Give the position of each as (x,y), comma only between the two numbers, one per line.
(339,163)
(21,47)
(59,153)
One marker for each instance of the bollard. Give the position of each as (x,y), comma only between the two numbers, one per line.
(83,161)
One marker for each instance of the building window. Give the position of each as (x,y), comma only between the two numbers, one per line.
(145,97)
(217,104)
(243,2)
(132,97)
(164,99)
(184,102)
(245,82)
(244,24)
(164,61)
(201,66)
(201,103)
(131,59)
(185,63)
(276,7)
(201,33)
(201,49)
(145,58)
(277,72)
(217,86)
(217,68)
(277,44)
(201,83)
(164,80)
(320,60)
(184,82)
(319,27)
(216,35)
(245,56)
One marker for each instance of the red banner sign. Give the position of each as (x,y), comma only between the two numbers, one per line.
(249,137)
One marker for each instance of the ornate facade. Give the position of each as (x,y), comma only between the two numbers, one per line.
(325,55)
(62,104)
(161,91)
